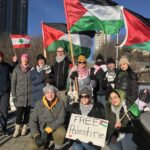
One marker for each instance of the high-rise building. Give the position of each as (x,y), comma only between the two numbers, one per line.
(14,16)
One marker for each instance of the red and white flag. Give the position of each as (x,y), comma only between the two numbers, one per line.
(20,41)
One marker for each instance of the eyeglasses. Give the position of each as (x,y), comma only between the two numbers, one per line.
(84,96)
(84,62)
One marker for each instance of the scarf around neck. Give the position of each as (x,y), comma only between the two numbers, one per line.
(24,68)
(83,72)
(60,59)
(96,68)
(85,109)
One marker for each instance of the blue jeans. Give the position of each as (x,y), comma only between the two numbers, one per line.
(81,145)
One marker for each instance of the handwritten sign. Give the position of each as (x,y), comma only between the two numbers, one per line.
(87,129)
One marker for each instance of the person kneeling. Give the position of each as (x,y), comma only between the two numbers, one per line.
(47,121)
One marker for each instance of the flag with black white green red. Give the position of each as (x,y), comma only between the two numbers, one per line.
(137,107)
(137,31)
(20,41)
(98,15)
(55,36)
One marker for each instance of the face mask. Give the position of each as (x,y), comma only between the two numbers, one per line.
(98,63)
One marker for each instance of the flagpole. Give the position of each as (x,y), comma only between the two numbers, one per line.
(71,47)
(117,50)
(44,50)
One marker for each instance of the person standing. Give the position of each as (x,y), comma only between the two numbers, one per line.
(5,70)
(59,73)
(22,94)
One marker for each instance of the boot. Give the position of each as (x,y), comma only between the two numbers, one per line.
(17,131)
(24,129)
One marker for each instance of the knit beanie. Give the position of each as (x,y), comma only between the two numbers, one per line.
(81,58)
(123,60)
(110,60)
(87,91)
(49,88)
(25,55)
(40,56)
(100,57)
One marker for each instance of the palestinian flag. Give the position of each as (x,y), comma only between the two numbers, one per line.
(137,107)
(137,31)
(20,41)
(55,36)
(82,15)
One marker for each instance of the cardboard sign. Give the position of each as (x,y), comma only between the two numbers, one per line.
(87,129)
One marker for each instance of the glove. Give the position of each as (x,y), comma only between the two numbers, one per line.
(73,75)
(38,140)
(92,75)
(14,99)
(45,137)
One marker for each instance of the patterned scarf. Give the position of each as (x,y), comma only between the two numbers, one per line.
(85,109)
(25,68)
(59,59)
(83,72)
(39,69)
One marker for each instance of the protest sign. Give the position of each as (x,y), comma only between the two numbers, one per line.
(87,129)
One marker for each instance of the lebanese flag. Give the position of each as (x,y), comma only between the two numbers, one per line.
(20,41)
(104,15)
(55,36)
(137,31)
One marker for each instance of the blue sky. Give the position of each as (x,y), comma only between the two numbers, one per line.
(53,11)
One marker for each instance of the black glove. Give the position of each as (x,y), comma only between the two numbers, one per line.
(92,75)
(45,137)
(38,140)
(73,75)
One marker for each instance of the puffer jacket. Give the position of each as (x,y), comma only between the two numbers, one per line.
(129,83)
(21,87)
(43,117)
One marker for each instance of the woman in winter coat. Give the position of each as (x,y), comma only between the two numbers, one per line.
(38,77)
(82,73)
(22,94)
(87,108)
(127,80)
(121,122)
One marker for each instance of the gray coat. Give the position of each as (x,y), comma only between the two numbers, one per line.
(42,117)
(21,87)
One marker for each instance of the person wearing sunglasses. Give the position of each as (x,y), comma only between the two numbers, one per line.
(82,73)
(88,108)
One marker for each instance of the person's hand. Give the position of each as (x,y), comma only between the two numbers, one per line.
(118,125)
(45,137)
(38,140)
(14,58)
(73,75)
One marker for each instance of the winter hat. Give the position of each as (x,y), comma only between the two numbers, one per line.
(1,54)
(124,60)
(25,55)
(100,58)
(81,58)
(40,56)
(110,60)
(86,91)
(49,88)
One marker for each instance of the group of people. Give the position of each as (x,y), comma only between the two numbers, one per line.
(45,97)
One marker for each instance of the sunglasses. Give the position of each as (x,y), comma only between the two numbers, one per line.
(84,96)
(84,62)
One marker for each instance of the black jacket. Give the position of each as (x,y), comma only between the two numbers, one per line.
(5,82)
(59,74)
(128,81)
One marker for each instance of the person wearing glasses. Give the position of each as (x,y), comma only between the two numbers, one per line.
(88,108)
(59,73)
(82,73)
